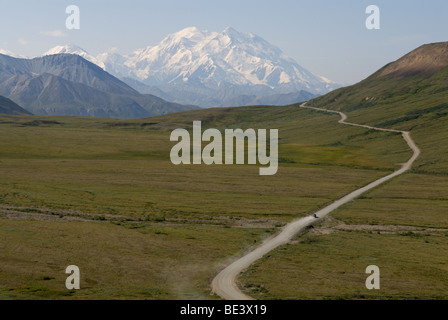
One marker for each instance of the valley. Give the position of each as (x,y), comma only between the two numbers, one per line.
(102,193)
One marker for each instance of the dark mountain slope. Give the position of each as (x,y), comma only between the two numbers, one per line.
(8,106)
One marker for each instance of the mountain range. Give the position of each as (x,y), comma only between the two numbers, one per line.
(210,69)
(189,68)
(67,84)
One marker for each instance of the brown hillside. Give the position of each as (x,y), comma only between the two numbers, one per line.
(425,60)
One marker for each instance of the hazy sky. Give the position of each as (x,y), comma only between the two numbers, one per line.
(328,38)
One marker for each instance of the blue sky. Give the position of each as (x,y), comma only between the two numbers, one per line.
(328,38)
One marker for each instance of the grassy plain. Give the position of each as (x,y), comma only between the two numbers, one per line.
(108,167)
(116,260)
(103,194)
(331,264)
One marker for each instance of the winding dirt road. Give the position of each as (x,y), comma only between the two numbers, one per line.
(224,284)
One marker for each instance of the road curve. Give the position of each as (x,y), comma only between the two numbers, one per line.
(224,284)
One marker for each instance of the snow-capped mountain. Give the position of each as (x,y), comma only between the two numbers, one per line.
(7,52)
(207,68)
(113,62)
(214,59)
(11,54)
(72,49)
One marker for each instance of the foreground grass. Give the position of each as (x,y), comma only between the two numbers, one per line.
(332,266)
(412,200)
(329,263)
(128,261)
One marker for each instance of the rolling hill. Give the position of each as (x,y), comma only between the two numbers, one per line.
(408,94)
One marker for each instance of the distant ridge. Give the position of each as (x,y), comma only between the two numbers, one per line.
(271,100)
(67,84)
